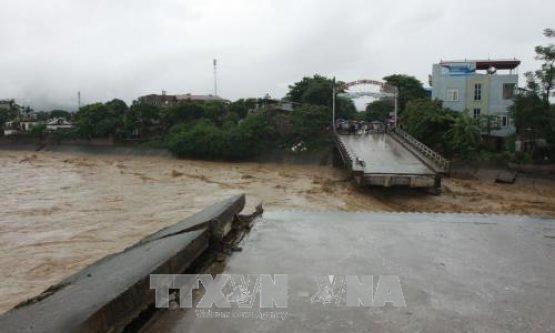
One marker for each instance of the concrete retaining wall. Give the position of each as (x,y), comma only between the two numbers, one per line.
(109,294)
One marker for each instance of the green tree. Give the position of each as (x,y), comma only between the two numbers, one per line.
(298,89)
(532,112)
(214,111)
(181,113)
(529,114)
(4,117)
(317,90)
(410,88)
(241,107)
(117,106)
(38,130)
(253,135)
(487,123)
(101,120)
(307,125)
(427,121)
(198,139)
(60,114)
(345,108)
(463,136)
(143,117)
(378,110)
(204,139)
(230,118)
(542,81)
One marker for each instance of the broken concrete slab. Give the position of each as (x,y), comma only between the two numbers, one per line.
(218,217)
(109,294)
(507,177)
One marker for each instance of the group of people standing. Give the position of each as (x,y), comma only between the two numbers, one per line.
(359,127)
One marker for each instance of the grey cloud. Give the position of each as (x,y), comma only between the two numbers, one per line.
(108,49)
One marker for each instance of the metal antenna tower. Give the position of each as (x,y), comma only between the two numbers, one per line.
(215,77)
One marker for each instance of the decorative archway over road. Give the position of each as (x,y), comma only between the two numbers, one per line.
(386,91)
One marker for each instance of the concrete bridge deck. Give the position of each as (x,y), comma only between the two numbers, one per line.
(388,159)
(383,154)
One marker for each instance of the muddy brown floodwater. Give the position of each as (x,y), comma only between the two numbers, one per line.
(61,212)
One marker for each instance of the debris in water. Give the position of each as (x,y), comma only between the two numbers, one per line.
(176,173)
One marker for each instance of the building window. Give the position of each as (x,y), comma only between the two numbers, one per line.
(508,91)
(453,95)
(478,92)
(504,121)
(477,113)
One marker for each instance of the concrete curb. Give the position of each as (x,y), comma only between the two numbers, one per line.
(109,294)
(217,217)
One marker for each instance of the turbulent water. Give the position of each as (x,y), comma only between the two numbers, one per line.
(61,212)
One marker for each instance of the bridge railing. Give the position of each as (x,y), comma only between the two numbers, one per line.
(438,160)
(347,158)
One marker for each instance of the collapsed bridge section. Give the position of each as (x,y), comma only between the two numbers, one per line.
(391,159)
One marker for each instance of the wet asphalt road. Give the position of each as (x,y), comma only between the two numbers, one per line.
(458,272)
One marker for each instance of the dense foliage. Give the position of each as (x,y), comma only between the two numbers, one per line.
(378,110)
(532,112)
(4,116)
(59,114)
(210,130)
(452,133)
(231,137)
(101,120)
(205,139)
(410,88)
(427,121)
(317,90)
(463,136)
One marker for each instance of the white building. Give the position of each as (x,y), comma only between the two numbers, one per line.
(57,124)
(483,87)
(274,104)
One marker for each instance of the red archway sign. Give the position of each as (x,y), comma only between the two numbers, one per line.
(382,85)
(386,89)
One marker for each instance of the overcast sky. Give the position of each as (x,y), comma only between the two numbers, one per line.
(52,49)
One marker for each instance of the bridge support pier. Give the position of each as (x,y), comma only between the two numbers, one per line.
(436,190)
(359,178)
(337,159)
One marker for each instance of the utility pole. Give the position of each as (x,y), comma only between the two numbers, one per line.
(396,105)
(333,106)
(215,78)
(78,101)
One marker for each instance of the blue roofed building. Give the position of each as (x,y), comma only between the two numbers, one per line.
(483,87)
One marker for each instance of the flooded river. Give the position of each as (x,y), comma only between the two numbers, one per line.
(61,212)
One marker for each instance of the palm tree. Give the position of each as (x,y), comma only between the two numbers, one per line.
(464,135)
(487,123)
